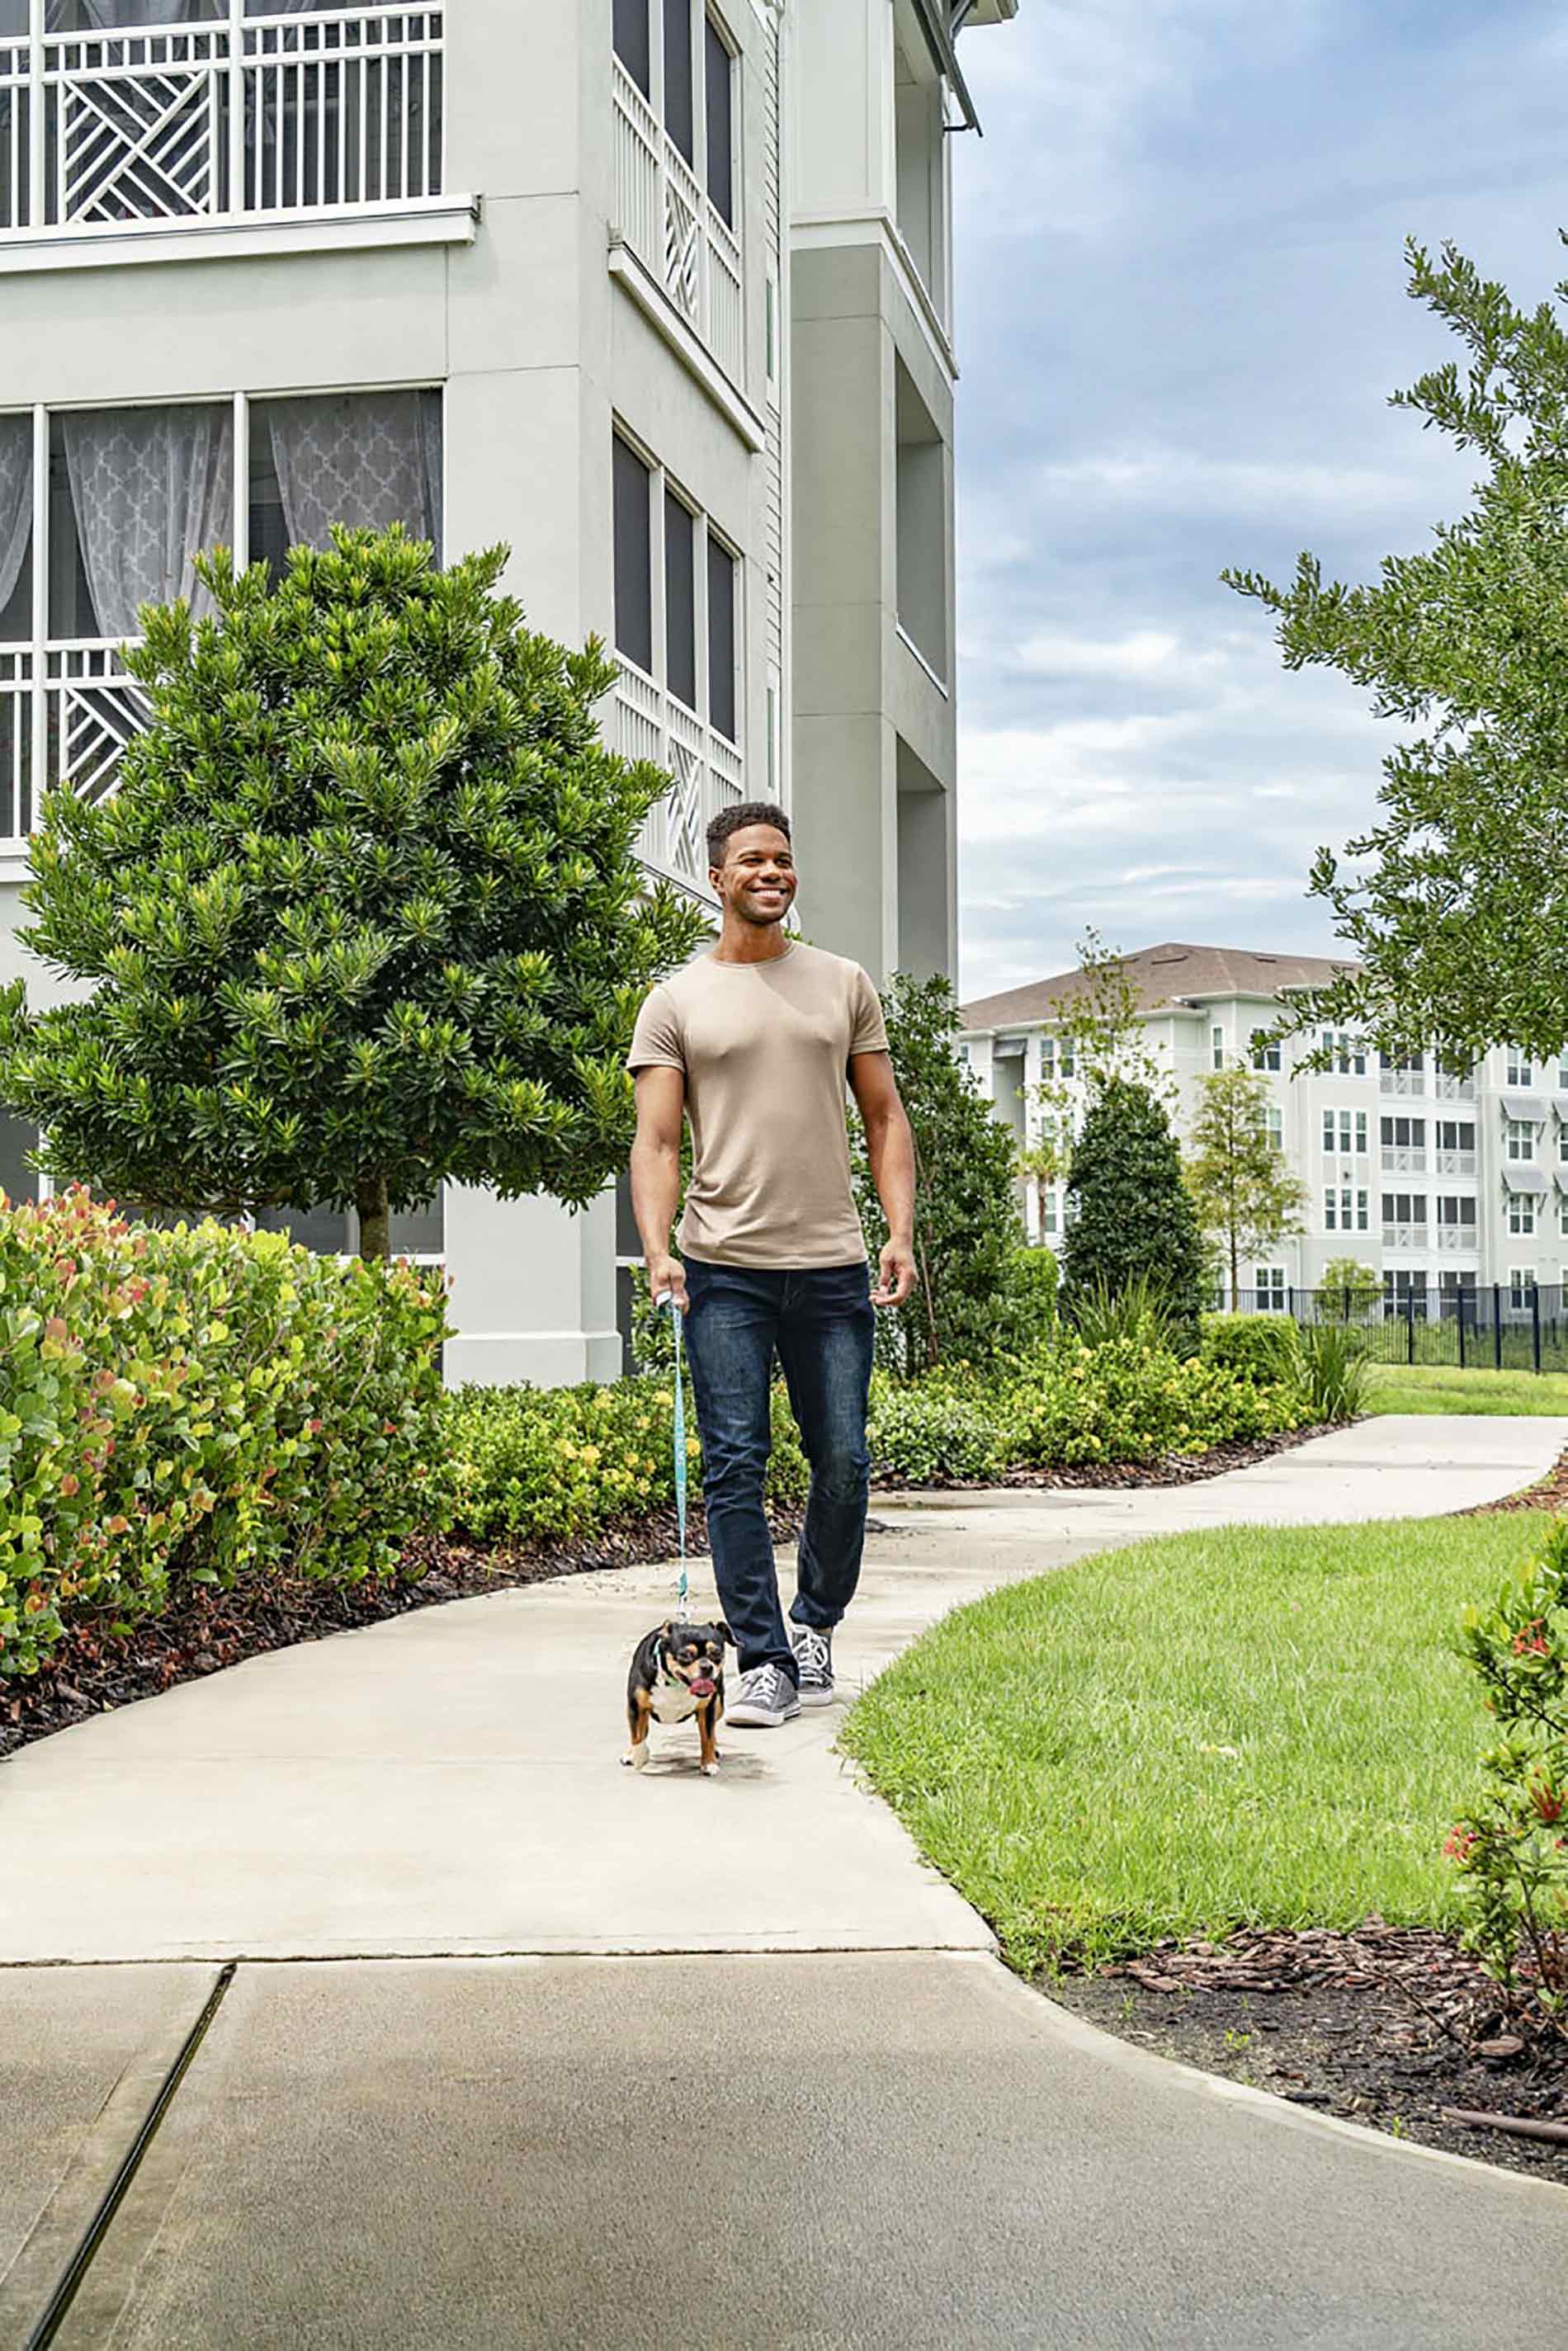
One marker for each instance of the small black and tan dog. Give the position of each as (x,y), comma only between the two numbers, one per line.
(677,1671)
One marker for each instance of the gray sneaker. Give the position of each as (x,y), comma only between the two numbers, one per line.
(814,1656)
(766,1698)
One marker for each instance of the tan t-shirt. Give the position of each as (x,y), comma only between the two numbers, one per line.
(765,1047)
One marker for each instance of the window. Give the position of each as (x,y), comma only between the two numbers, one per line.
(1454,1287)
(1404,1209)
(1216,1047)
(1345,1210)
(633,558)
(1563,1075)
(1349,1059)
(1562,1212)
(1265,1052)
(633,45)
(1455,1211)
(1521,1287)
(131,497)
(1404,1290)
(1049,1214)
(1274,1124)
(1405,1133)
(677,606)
(775,720)
(1345,1132)
(17,1180)
(920,524)
(1057,1059)
(723,686)
(1562,1144)
(1521,1212)
(680,80)
(1519,1133)
(1521,1070)
(770,330)
(1456,1135)
(719,66)
(1272,1290)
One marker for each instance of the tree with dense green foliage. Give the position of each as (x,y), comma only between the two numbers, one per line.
(363,915)
(968,1232)
(1455,901)
(1348,1289)
(1247,1198)
(1132,1214)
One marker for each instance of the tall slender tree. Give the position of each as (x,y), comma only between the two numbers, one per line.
(1247,1198)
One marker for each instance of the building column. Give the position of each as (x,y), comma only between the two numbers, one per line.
(533,1290)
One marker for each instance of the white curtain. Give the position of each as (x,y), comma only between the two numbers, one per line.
(367,459)
(125,16)
(16,500)
(151,489)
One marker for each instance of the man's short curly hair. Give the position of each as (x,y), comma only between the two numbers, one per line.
(733,820)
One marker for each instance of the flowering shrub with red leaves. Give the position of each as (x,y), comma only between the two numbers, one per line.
(202,1402)
(1512,1849)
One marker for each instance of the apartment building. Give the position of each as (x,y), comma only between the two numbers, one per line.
(1442,1180)
(658,291)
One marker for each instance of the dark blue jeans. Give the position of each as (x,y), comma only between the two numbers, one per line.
(820,1321)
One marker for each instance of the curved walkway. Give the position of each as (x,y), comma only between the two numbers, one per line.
(454,2118)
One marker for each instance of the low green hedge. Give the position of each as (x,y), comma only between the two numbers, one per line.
(198,1403)
(1262,1347)
(555,1463)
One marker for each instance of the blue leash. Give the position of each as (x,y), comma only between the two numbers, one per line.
(666,1299)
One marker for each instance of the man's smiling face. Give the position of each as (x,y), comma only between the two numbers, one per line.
(757,881)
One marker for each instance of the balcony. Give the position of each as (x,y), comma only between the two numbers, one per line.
(676,230)
(1458,1237)
(1411,1237)
(1403,1159)
(1448,1088)
(72,732)
(708,770)
(1455,1162)
(260,109)
(1402,1082)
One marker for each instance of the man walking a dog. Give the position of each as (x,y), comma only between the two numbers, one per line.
(753,1042)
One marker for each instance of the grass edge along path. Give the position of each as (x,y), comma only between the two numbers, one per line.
(1258,1727)
(1444,1388)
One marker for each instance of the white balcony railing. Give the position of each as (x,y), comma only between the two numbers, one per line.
(1458,1237)
(1448,1088)
(676,230)
(69,727)
(248,114)
(708,767)
(1402,1082)
(1403,1159)
(1404,1236)
(1455,1162)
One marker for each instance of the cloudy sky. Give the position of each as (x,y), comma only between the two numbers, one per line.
(1181,309)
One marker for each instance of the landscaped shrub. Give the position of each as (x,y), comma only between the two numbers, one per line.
(539,1464)
(1140,1312)
(1512,1849)
(1254,1346)
(1125,1401)
(926,1429)
(1334,1372)
(198,1405)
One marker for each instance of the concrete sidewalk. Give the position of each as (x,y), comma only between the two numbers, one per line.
(449,1783)
(834,2119)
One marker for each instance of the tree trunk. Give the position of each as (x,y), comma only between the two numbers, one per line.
(376,1218)
(1234,1275)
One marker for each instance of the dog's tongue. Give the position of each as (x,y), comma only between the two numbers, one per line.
(700,1687)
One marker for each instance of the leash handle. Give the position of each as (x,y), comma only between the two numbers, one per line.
(666,1298)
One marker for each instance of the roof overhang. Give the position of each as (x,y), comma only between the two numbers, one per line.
(940,22)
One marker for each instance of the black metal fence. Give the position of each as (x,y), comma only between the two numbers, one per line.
(1498,1326)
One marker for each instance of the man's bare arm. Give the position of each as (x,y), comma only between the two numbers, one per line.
(890,1147)
(656,1176)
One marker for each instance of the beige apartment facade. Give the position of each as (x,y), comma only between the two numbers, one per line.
(594,281)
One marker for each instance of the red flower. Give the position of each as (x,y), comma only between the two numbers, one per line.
(1458,1845)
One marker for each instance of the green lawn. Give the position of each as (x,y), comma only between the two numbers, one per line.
(1249,1726)
(1436,1387)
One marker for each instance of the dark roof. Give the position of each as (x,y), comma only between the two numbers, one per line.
(1160,974)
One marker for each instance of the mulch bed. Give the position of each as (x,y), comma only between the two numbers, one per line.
(1550,1494)
(1117,1476)
(1391,2026)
